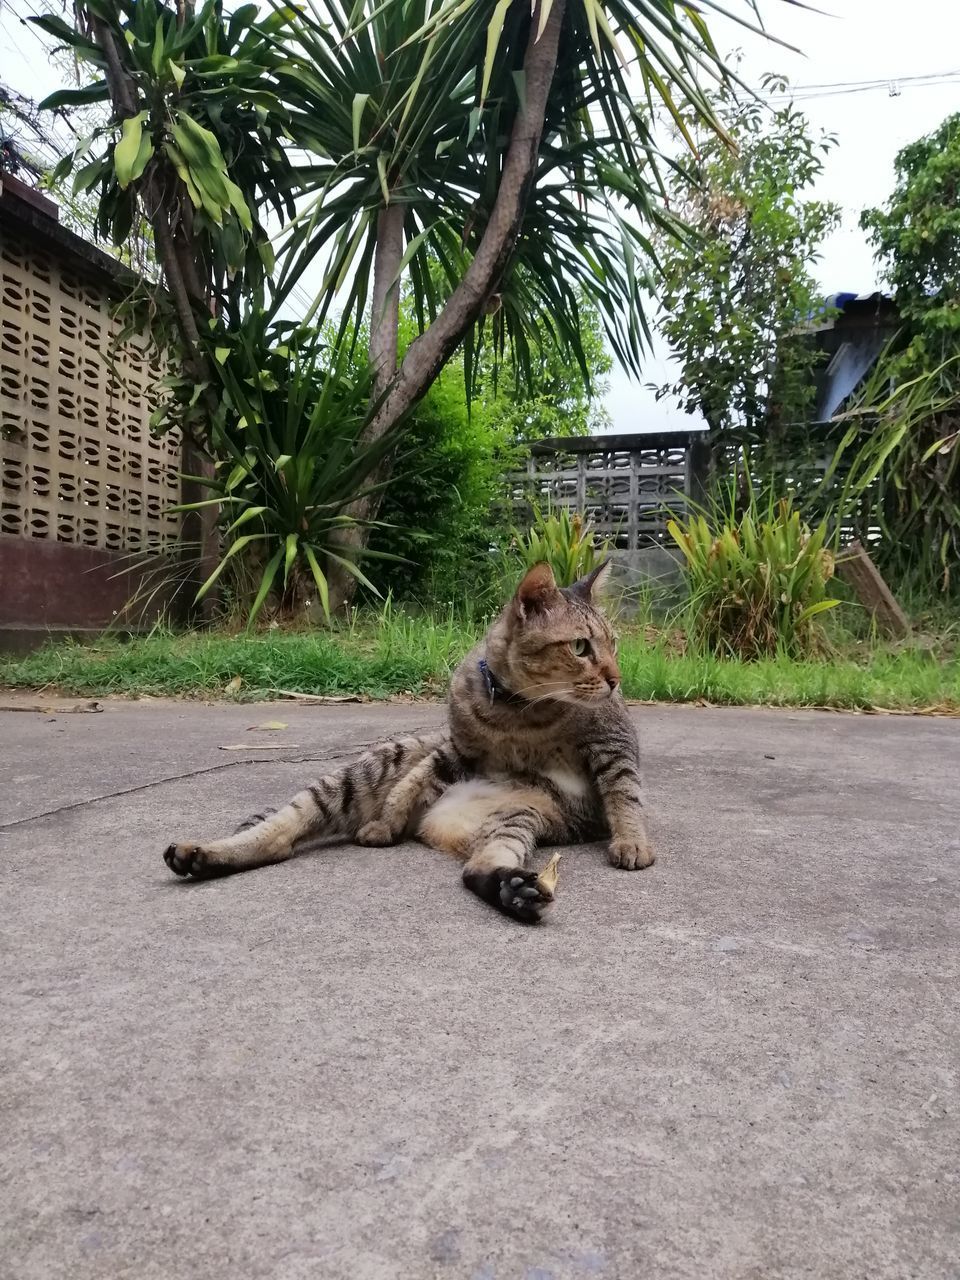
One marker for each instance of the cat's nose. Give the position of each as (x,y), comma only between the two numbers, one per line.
(612,679)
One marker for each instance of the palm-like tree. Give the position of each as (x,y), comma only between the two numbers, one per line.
(499,155)
(510,144)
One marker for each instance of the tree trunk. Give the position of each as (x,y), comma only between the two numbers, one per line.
(385,308)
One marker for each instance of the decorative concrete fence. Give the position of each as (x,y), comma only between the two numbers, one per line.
(627,484)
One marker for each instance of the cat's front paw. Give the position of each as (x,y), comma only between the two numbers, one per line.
(377,833)
(631,854)
(186,859)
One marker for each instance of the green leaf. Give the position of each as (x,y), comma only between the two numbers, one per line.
(144,156)
(197,142)
(812,610)
(60,30)
(412,248)
(360,100)
(251,513)
(494,31)
(205,502)
(178,72)
(266,582)
(354,571)
(201,153)
(175,157)
(63,167)
(87,177)
(221,354)
(127,150)
(235,547)
(217,65)
(292,542)
(96,92)
(382,173)
(156,55)
(319,578)
(239,472)
(238,204)
(210,200)
(267,256)
(282,461)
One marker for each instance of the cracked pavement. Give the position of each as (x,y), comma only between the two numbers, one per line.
(744,1062)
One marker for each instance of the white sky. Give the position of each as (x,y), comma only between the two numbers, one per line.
(857,40)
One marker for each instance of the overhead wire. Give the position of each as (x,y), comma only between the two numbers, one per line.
(894,85)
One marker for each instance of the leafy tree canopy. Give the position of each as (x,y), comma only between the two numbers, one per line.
(916,237)
(736,287)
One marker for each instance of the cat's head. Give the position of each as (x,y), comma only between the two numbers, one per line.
(554,643)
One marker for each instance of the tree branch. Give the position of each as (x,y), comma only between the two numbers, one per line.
(427,355)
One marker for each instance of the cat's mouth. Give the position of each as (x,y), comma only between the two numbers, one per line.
(600,694)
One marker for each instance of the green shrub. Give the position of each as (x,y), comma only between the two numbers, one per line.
(444,509)
(438,510)
(758,582)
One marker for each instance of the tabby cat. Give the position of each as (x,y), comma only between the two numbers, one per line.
(539,750)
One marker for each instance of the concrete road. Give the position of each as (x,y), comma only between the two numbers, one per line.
(741,1063)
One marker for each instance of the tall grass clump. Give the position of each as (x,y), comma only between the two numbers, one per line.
(758,579)
(562,540)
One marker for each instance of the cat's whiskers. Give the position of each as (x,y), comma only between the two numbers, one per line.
(550,686)
(540,684)
(564,695)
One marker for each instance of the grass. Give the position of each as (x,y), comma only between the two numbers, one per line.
(397,653)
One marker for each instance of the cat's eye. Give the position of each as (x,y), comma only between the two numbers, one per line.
(580,647)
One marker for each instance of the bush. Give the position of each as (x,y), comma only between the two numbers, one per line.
(447,489)
(438,509)
(757,582)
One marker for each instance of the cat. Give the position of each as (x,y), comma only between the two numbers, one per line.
(539,749)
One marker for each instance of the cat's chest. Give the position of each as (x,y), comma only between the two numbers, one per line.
(562,768)
(571,780)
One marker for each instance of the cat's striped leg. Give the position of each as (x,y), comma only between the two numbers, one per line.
(619,788)
(337,804)
(612,761)
(413,794)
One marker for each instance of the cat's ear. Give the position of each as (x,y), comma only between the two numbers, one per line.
(594,582)
(537,591)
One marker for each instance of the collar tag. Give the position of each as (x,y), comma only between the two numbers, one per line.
(488,681)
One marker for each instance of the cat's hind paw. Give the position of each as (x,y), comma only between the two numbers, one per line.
(377,833)
(515,892)
(186,859)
